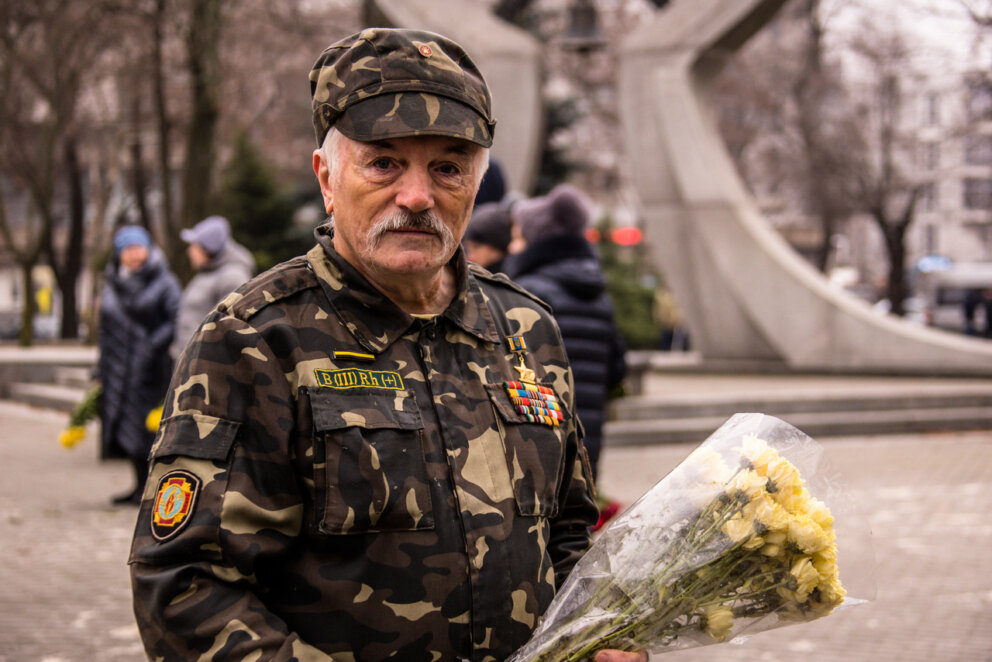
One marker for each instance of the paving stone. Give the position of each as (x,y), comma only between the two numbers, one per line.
(65,593)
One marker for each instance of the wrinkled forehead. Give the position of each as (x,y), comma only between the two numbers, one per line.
(421,145)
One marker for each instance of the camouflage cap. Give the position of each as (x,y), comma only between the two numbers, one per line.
(390,83)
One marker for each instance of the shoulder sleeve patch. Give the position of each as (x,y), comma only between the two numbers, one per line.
(175,497)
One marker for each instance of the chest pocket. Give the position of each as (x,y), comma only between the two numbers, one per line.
(535,455)
(369,469)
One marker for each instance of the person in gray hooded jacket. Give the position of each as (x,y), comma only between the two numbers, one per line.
(222,265)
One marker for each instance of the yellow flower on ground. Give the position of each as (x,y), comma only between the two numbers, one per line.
(719,621)
(72,435)
(154,419)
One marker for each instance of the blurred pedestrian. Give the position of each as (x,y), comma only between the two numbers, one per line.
(975,300)
(222,265)
(561,267)
(138,307)
(488,236)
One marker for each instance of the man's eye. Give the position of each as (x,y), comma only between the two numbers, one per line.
(382,164)
(449,169)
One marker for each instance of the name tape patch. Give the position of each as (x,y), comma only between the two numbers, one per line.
(359,377)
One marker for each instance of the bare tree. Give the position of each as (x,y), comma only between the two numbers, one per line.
(48,48)
(883,185)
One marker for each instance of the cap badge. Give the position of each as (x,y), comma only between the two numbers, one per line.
(425,50)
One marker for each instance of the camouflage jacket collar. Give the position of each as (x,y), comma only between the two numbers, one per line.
(373,319)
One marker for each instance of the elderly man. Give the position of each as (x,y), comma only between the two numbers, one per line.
(343,470)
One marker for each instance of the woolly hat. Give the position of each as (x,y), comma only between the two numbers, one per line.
(490,225)
(565,210)
(131,235)
(211,233)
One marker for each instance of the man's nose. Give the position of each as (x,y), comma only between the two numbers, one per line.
(415,192)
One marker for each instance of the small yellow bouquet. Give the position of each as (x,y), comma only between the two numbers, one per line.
(732,540)
(154,419)
(82,413)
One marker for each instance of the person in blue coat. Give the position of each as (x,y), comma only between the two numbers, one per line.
(138,307)
(561,267)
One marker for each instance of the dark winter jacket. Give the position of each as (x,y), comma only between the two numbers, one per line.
(564,271)
(227,271)
(137,323)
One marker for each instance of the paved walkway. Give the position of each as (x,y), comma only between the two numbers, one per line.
(64,590)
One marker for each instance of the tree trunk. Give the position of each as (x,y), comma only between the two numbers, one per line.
(67,275)
(26,336)
(895,242)
(138,183)
(169,227)
(204,63)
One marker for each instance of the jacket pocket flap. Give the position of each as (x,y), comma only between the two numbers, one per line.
(368,408)
(196,435)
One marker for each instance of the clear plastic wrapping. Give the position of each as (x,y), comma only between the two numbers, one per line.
(753,530)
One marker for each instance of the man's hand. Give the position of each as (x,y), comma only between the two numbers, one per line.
(620,656)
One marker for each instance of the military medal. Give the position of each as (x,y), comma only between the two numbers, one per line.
(537,403)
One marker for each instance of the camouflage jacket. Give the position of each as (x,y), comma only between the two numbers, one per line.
(334,479)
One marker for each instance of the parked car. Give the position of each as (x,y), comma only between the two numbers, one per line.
(945,292)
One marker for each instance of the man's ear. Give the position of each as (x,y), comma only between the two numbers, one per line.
(324,179)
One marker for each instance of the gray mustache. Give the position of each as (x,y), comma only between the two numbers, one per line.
(424,220)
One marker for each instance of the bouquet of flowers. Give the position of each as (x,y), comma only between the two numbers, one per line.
(82,413)
(731,540)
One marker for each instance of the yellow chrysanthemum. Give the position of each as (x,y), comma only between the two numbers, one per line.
(719,620)
(774,543)
(708,466)
(72,435)
(807,534)
(154,419)
(825,562)
(795,498)
(758,453)
(820,513)
(830,595)
(770,514)
(738,528)
(783,474)
(747,482)
(771,550)
(806,576)
(755,542)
